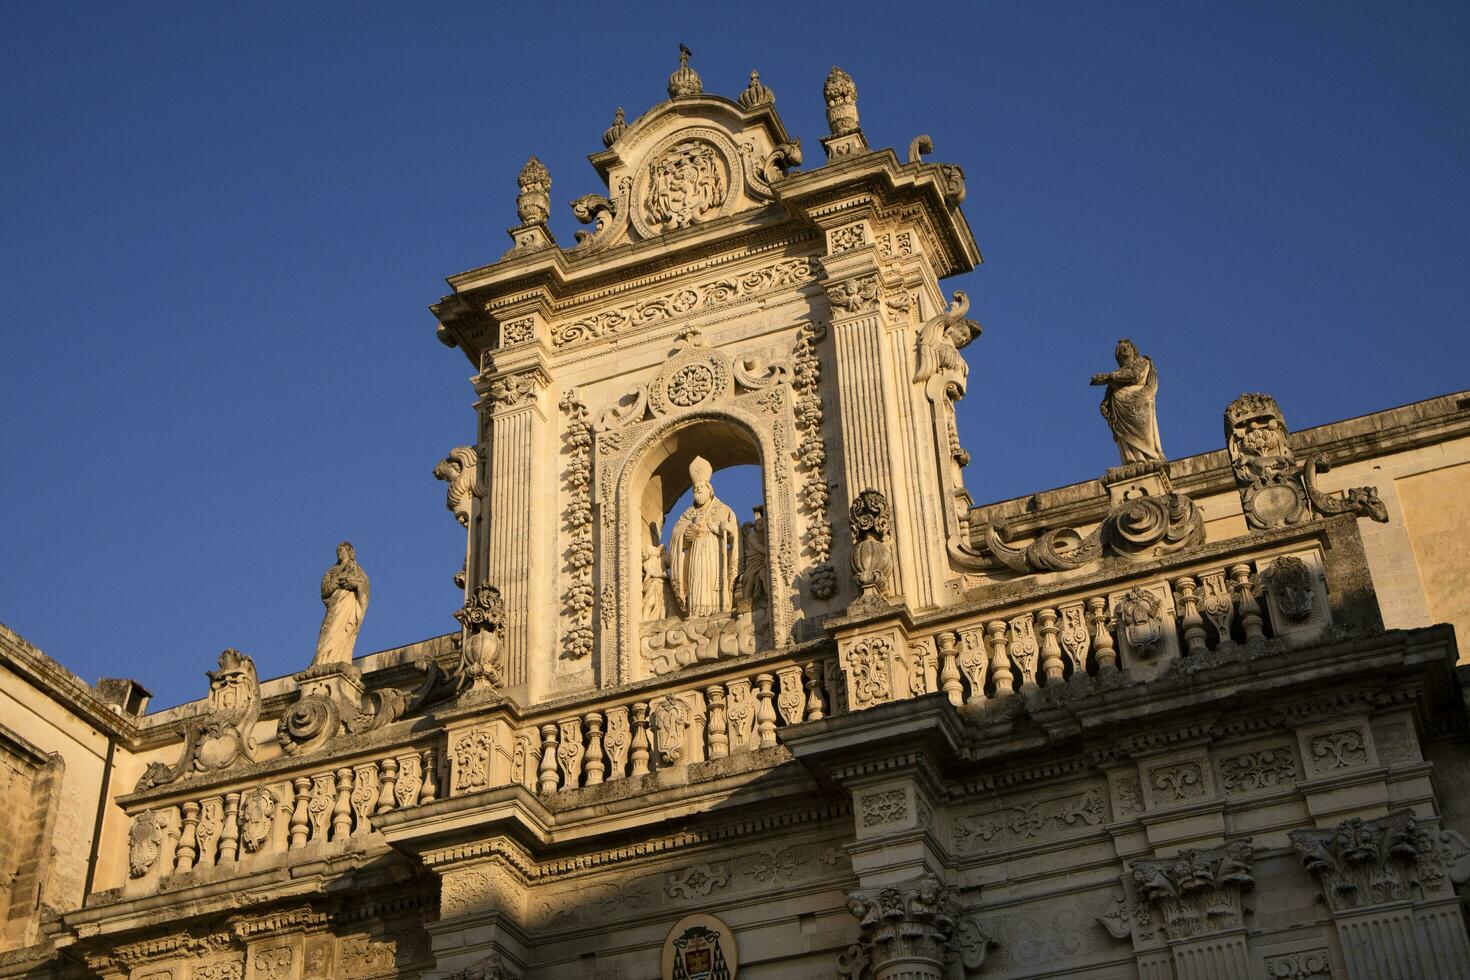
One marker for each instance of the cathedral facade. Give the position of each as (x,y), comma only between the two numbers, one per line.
(1195,718)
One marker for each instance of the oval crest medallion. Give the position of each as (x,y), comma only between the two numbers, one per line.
(699,947)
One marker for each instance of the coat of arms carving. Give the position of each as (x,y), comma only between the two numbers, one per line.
(684,185)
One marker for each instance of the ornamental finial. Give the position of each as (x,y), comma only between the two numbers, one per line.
(684,81)
(841,94)
(617,129)
(756,94)
(533,203)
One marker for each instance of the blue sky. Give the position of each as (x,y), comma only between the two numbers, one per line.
(223,223)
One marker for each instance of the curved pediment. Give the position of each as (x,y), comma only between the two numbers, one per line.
(688,161)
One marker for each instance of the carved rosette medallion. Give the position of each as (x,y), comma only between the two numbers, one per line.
(692,378)
(690,178)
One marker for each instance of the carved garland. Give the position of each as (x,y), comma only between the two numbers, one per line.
(815,491)
(579,598)
(716,292)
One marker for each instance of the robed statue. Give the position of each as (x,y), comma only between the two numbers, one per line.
(345,594)
(704,550)
(755,577)
(655,577)
(1129,405)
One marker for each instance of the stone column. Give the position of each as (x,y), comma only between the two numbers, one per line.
(512,550)
(905,929)
(1199,896)
(1387,888)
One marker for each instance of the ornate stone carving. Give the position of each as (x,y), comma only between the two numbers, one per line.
(614,132)
(940,341)
(856,295)
(1264,464)
(888,806)
(684,82)
(1123,918)
(1262,769)
(1199,892)
(869,669)
(685,300)
(693,376)
(1128,406)
(782,158)
(872,559)
(1361,863)
(482,620)
(145,843)
(515,390)
(1277,490)
(670,719)
(223,736)
(472,761)
(1031,821)
(697,881)
(672,644)
(257,815)
(1137,529)
(686,184)
(579,597)
(910,923)
(756,94)
(1289,581)
(533,203)
(1313,964)
(1176,783)
(345,591)
(840,93)
(1139,620)
(1339,750)
(815,492)
(1362,501)
(461,470)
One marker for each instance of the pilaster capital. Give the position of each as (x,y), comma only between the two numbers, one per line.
(905,929)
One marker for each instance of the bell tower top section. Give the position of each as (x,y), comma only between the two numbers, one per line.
(724,308)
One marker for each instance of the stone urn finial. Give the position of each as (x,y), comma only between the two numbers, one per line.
(685,81)
(533,203)
(483,620)
(841,94)
(618,128)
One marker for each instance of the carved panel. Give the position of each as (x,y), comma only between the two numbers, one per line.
(888,806)
(1029,821)
(1258,770)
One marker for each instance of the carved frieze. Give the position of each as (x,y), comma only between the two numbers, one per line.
(1029,822)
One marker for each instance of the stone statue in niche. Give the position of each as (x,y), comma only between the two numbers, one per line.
(1129,405)
(704,550)
(655,576)
(755,571)
(345,594)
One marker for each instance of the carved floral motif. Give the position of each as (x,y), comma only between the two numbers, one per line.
(145,839)
(889,806)
(856,295)
(1198,892)
(1258,770)
(1036,820)
(579,597)
(1361,863)
(472,761)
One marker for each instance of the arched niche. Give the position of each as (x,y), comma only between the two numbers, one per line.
(648,479)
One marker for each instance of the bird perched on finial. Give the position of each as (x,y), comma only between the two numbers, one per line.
(684,81)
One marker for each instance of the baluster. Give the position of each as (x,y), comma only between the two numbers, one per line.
(184,853)
(342,809)
(949,669)
(229,837)
(1102,637)
(1247,588)
(719,739)
(1000,658)
(1218,607)
(1187,593)
(640,739)
(765,712)
(815,710)
(387,777)
(1051,651)
(548,760)
(595,766)
(301,787)
(431,777)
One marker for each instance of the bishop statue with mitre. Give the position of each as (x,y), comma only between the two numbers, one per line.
(704,550)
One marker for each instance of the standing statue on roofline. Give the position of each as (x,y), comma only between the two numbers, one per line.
(345,594)
(1129,405)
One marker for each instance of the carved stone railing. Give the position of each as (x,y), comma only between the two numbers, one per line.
(1137,620)
(677,723)
(205,830)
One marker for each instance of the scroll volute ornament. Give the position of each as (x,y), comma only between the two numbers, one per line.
(483,621)
(872,559)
